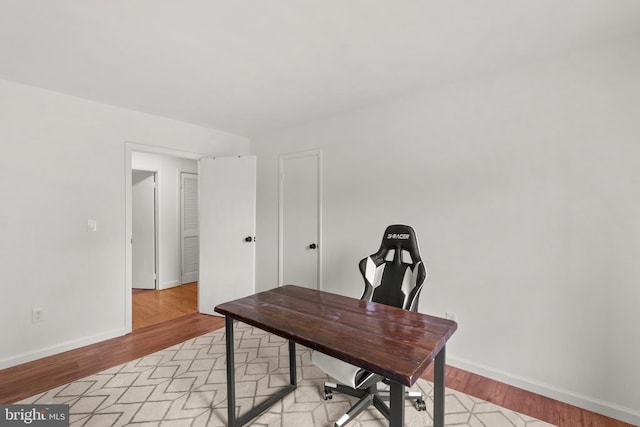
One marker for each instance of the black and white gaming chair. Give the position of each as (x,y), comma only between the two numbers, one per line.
(393,276)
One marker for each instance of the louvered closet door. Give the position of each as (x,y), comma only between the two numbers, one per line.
(190,229)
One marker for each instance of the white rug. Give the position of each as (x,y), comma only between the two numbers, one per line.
(185,385)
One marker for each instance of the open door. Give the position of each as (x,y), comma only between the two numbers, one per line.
(143,232)
(227,187)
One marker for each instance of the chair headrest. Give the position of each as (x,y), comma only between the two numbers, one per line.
(400,238)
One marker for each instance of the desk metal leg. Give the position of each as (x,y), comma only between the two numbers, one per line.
(237,421)
(396,405)
(231,369)
(293,377)
(438,390)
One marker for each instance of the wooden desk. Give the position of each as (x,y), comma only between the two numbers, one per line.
(395,343)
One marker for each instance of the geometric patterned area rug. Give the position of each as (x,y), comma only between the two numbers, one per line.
(185,385)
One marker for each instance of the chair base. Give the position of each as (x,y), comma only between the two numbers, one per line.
(367,397)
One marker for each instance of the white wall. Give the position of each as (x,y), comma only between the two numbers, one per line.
(523,187)
(62,162)
(168,186)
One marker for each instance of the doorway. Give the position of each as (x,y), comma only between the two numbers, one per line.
(229,186)
(167,298)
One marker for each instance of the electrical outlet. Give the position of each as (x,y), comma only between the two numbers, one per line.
(37,315)
(451,316)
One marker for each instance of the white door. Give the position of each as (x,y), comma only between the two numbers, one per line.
(300,220)
(143,230)
(227,187)
(189,226)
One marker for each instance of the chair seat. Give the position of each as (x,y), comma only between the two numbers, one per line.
(344,372)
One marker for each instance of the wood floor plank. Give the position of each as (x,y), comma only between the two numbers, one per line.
(22,381)
(154,306)
(525,402)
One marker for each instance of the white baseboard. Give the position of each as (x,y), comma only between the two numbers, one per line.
(609,409)
(59,348)
(170,284)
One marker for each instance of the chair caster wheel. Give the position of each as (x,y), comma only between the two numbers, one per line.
(328,394)
(420,405)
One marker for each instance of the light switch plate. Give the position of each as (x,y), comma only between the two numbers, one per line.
(92,225)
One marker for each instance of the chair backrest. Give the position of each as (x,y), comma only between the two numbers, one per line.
(394,275)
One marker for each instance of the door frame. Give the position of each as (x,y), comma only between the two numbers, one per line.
(156,258)
(282,158)
(131,147)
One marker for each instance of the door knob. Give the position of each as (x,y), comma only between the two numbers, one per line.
(312,246)
(249,239)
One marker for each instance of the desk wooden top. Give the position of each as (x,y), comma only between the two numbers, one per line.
(397,344)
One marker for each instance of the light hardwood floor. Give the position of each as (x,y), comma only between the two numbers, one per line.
(25,380)
(151,307)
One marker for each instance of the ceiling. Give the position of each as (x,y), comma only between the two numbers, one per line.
(255,67)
